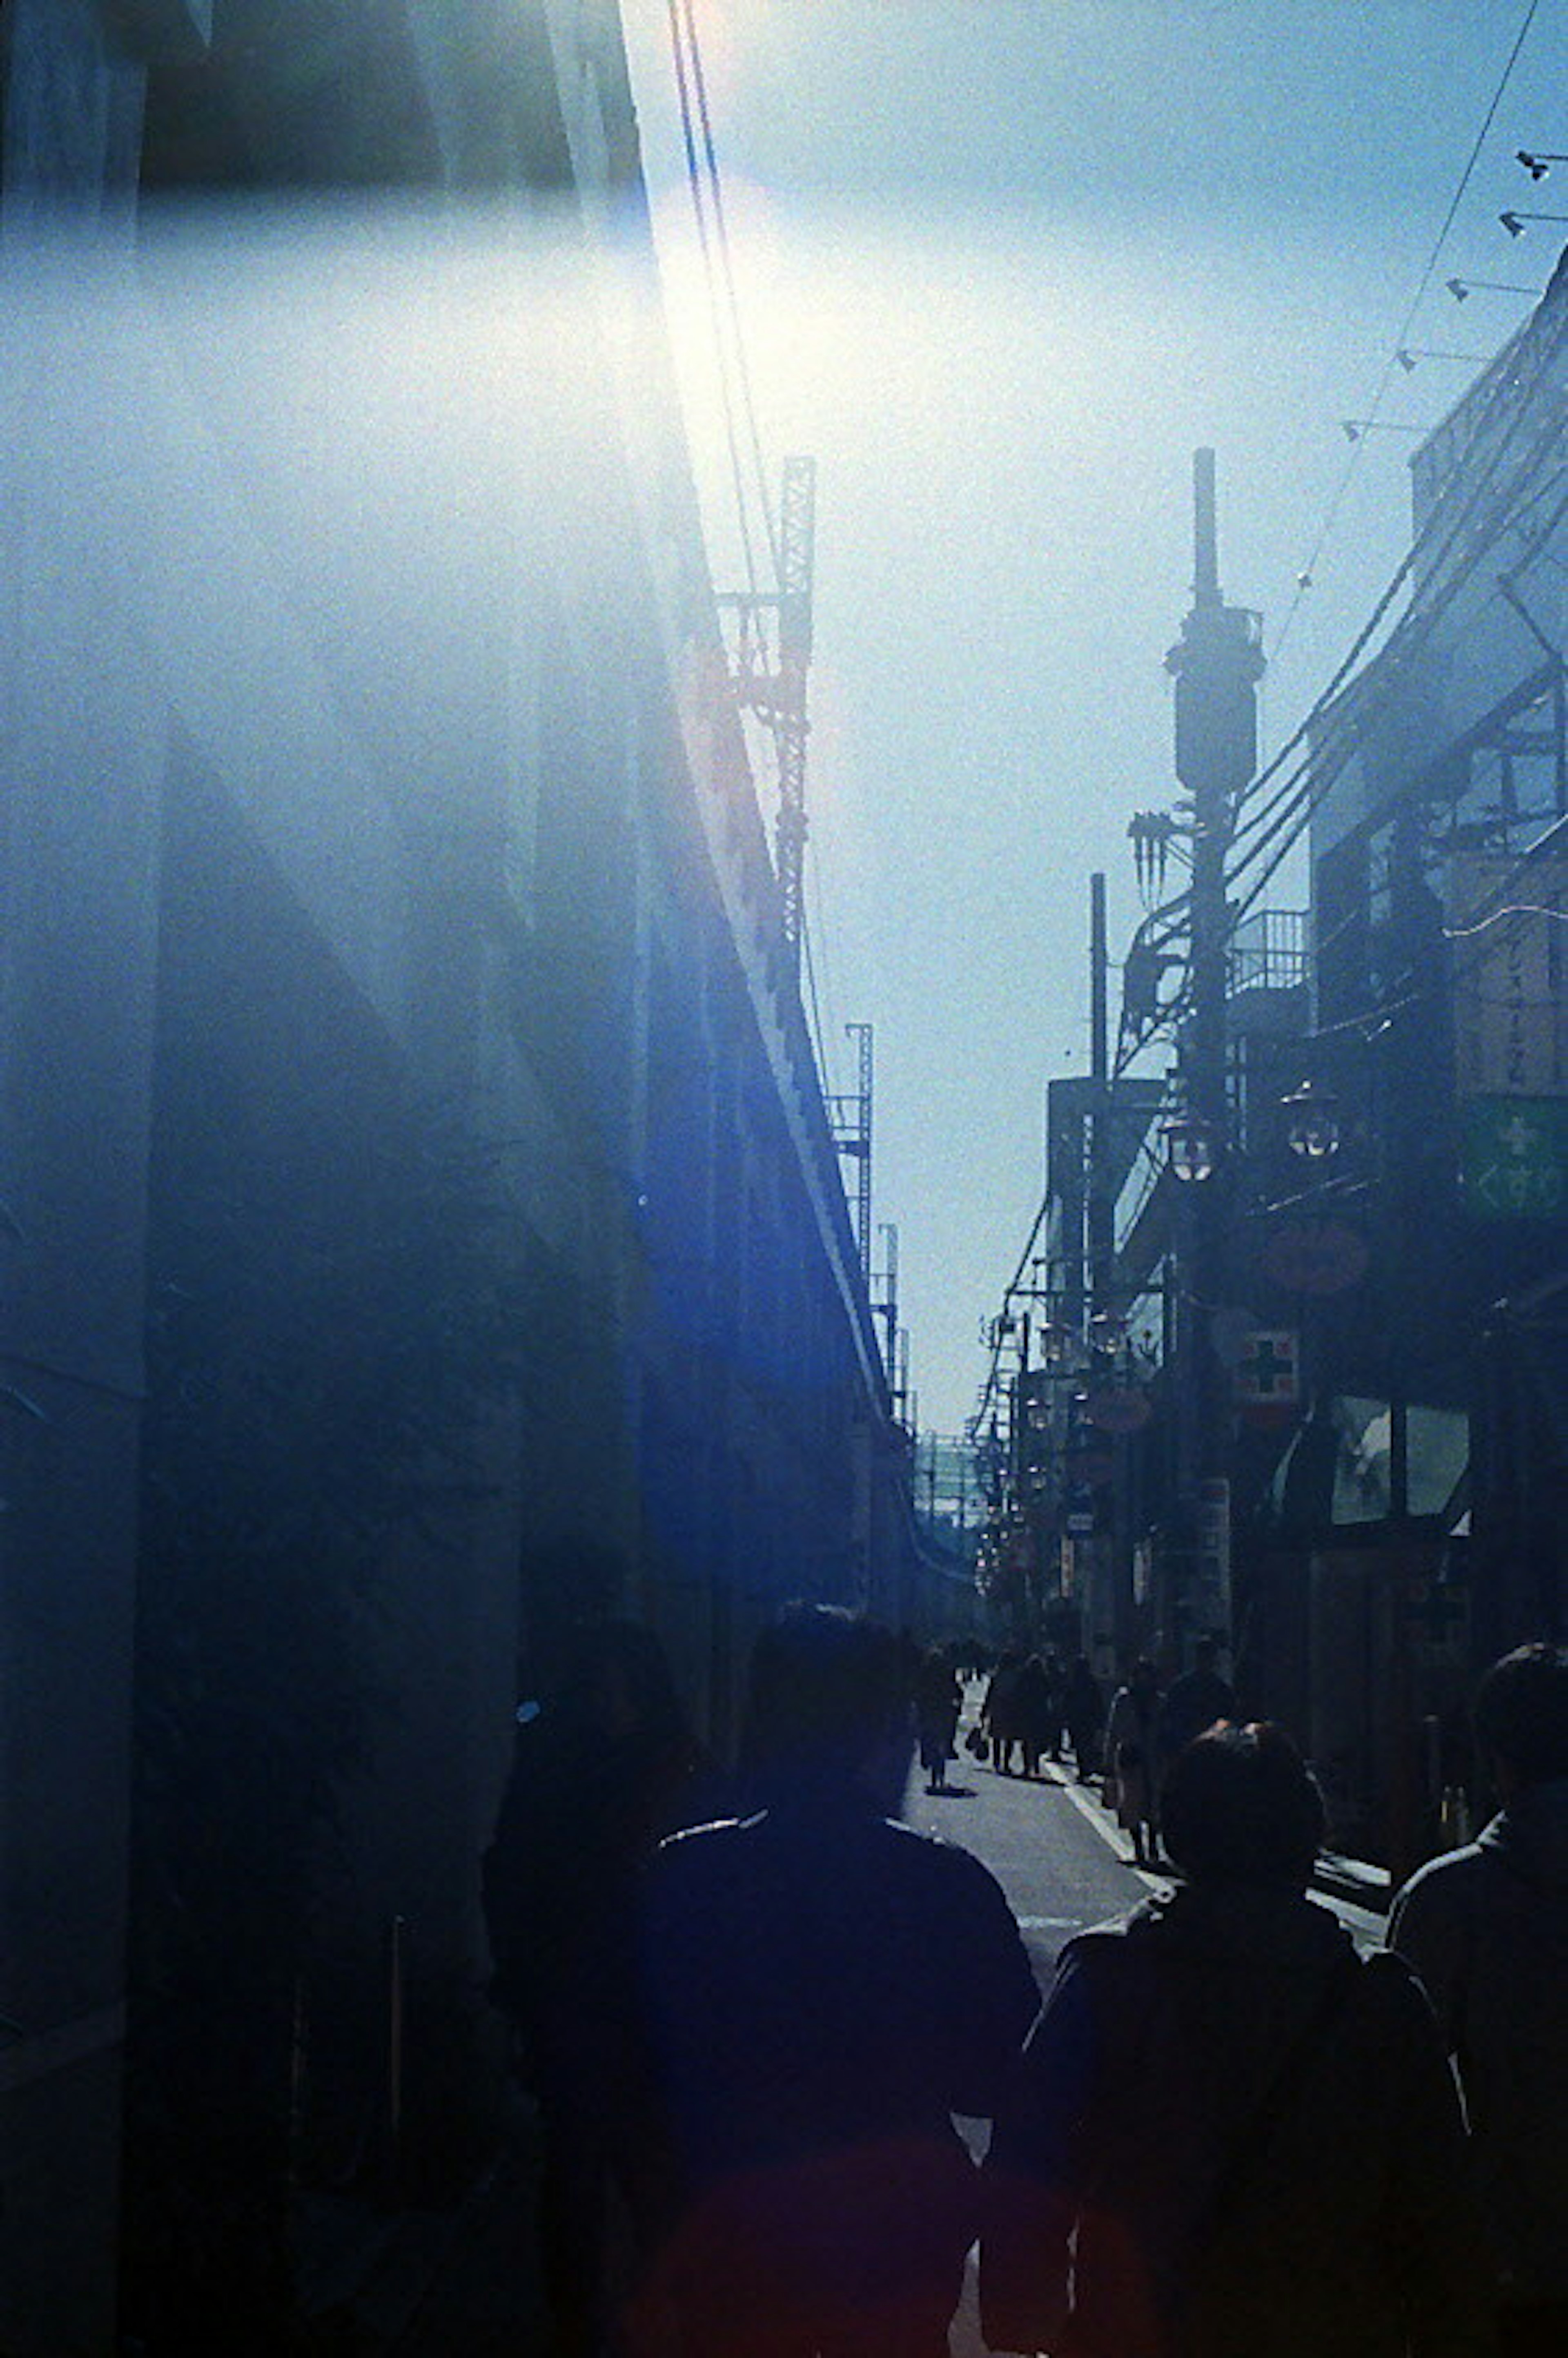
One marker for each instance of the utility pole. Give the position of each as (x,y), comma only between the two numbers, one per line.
(1216,665)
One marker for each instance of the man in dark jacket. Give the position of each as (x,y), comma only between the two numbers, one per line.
(1487,1929)
(1229,2137)
(1194,1702)
(825,1989)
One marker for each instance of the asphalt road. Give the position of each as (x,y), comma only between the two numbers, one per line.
(1058,1855)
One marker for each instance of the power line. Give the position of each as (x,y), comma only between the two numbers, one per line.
(721,226)
(683,85)
(1304,578)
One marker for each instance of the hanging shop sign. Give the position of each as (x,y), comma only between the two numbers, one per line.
(1317,1257)
(1514,1158)
(1120,1407)
(1266,1380)
(1511,975)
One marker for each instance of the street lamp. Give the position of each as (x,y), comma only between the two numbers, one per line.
(1409,356)
(1353,428)
(1514,222)
(1463,288)
(1312,1112)
(1192,1149)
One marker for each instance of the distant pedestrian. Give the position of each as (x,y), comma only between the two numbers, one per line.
(999,1711)
(604,1766)
(1229,2137)
(1194,1702)
(938,1705)
(1131,1759)
(823,1989)
(1487,1929)
(1035,1713)
(1083,1708)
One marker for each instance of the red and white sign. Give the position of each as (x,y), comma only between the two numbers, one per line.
(1267,1374)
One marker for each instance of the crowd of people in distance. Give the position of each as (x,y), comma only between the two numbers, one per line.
(1034,1710)
(753,2008)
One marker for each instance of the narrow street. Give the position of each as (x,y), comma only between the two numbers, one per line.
(1055,1850)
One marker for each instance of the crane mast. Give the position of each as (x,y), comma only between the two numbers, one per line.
(773,684)
(798,550)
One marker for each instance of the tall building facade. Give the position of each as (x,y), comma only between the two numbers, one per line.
(421,1220)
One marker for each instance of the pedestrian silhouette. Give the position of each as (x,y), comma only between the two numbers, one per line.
(1035,1713)
(1083,1707)
(999,1710)
(823,1989)
(603,1766)
(1131,1771)
(938,1705)
(1230,2138)
(1487,1929)
(1195,1701)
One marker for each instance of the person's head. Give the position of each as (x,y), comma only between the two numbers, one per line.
(615,1681)
(1522,1718)
(1143,1673)
(1204,1652)
(829,1701)
(1241,1806)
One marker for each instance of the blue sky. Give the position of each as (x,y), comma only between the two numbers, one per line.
(1002,265)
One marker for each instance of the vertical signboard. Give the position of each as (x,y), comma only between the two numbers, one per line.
(1510,1034)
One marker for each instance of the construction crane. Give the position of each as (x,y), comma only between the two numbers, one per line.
(769,673)
(851,1116)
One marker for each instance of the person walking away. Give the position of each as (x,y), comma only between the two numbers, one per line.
(1034,1710)
(938,1705)
(1192,1703)
(602,1770)
(823,1990)
(1083,1708)
(1487,1929)
(1229,2137)
(999,1711)
(1129,1758)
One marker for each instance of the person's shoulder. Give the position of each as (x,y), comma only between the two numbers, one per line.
(916,1847)
(1394,2005)
(695,1851)
(1120,1945)
(695,1841)
(932,1860)
(1451,1881)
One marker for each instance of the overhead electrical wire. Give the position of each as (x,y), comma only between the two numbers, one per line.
(1336,501)
(1325,766)
(1302,789)
(743,364)
(706,243)
(1450,544)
